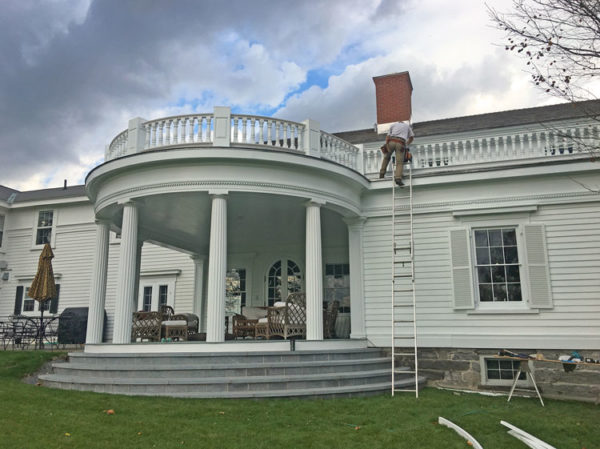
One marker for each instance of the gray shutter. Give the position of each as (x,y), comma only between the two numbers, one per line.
(540,292)
(462,282)
(19,300)
(54,301)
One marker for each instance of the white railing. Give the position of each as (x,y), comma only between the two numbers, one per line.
(195,128)
(498,148)
(267,131)
(235,130)
(338,150)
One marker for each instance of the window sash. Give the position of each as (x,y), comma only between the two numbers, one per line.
(498,277)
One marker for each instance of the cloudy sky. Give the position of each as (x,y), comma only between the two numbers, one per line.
(74,72)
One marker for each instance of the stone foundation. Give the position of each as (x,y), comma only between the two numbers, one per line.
(461,369)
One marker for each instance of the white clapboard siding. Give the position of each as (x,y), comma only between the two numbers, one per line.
(571,247)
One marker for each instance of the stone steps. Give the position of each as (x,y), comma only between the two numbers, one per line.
(230,375)
(219,369)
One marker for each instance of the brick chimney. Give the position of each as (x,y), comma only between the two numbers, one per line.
(393,95)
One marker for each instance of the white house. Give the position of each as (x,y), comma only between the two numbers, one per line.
(506,231)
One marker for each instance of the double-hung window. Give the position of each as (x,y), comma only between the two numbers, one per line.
(44,227)
(500,267)
(497,267)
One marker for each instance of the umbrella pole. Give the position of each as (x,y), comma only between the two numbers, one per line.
(41,331)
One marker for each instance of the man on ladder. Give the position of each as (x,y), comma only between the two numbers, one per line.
(399,137)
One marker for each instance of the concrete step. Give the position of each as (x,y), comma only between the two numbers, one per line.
(240,391)
(230,375)
(219,370)
(228,358)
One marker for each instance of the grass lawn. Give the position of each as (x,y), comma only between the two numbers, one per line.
(38,417)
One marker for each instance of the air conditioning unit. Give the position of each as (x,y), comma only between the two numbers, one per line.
(3,265)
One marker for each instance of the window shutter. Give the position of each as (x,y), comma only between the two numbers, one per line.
(54,301)
(462,283)
(540,291)
(19,300)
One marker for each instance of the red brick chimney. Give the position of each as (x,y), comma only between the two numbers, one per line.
(393,95)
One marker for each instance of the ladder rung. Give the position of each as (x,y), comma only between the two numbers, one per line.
(404,321)
(404,338)
(412,354)
(405,372)
(403,275)
(403,261)
(403,290)
(396,248)
(404,391)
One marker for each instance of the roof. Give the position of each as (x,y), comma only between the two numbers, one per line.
(5,193)
(50,194)
(491,120)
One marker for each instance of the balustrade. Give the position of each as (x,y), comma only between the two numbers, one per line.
(286,135)
(267,131)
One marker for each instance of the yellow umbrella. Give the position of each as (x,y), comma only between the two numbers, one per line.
(43,287)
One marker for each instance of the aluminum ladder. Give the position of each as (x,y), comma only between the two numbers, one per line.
(404,311)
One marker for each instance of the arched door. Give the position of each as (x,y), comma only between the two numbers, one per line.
(284,277)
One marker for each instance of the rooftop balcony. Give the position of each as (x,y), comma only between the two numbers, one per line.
(458,151)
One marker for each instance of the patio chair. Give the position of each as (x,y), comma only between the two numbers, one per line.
(146,326)
(177,326)
(285,319)
(244,324)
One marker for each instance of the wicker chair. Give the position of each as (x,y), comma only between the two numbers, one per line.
(146,326)
(244,324)
(288,320)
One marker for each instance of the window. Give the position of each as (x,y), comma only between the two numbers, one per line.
(147,299)
(28,303)
(1,229)
(497,265)
(155,292)
(157,288)
(24,305)
(45,222)
(163,291)
(337,285)
(235,290)
(502,372)
(500,267)
(279,286)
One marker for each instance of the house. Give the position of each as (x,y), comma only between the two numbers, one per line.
(506,215)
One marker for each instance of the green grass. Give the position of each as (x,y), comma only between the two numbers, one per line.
(38,417)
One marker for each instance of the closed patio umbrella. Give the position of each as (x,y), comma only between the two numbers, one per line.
(43,287)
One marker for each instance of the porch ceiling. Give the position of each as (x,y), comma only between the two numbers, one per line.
(254,221)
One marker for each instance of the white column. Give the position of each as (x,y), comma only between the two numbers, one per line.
(95,324)
(199,306)
(126,278)
(138,268)
(355,255)
(314,272)
(217,270)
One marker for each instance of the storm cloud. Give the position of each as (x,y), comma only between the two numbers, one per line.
(73,73)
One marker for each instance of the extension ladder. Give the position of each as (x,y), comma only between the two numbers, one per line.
(404,316)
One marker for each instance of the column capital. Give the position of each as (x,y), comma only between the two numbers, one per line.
(218,193)
(128,202)
(102,221)
(354,222)
(199,257)
(316,202)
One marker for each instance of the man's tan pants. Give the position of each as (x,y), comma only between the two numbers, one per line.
(398,148)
